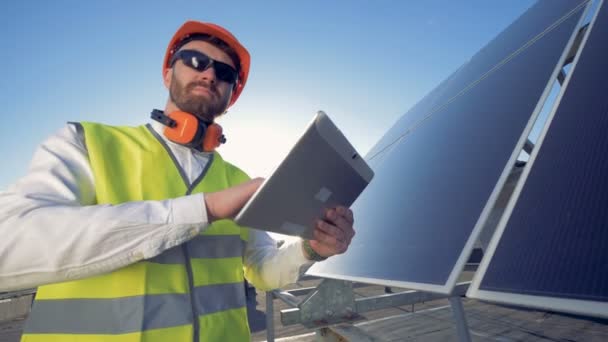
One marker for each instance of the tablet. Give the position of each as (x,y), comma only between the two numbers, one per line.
(322,170)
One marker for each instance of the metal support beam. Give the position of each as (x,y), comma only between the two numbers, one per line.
(16,294)
(289,294)
(359,305)
(333,302)
(301,291)
(572,53)
(528,146)
(576,45)
(269,316)
(561,77)
(344,332)
(461,321)
(287,297)
(403,298)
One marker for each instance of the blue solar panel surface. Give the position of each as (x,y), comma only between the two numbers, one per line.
(430,188)
(555,242)
(525,29)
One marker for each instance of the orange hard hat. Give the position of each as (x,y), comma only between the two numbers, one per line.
(193,27)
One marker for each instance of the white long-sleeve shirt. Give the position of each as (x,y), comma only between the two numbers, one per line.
(52,230)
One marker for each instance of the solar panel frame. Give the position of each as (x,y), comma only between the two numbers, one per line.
(544,302)
(388,149)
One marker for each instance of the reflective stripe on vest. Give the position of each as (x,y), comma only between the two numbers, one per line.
(203,246)
(192,292)
(134,313)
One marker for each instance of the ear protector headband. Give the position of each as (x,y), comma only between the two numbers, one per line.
(186,129)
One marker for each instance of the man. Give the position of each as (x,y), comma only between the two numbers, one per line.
(130,226)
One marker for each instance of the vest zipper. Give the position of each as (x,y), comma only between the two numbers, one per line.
(197,328)
(195,322)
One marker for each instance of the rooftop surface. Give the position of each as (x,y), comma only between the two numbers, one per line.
(429,321)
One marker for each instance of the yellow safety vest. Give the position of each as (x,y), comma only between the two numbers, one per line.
(192,292)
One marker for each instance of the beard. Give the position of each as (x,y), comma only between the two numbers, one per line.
(205,108)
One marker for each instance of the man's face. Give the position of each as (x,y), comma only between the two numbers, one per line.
(199,93)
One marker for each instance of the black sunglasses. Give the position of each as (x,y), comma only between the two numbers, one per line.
(201,62)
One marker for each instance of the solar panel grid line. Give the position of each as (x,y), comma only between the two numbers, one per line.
(427,167)
(575,297)
(380,157)
(483,76)
(433,94)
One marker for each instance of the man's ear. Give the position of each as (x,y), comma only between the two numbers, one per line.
(167,76)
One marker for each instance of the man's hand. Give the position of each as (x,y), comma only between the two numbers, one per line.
(334,233)
(227,203)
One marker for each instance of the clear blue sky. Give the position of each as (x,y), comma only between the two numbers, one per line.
(364,62)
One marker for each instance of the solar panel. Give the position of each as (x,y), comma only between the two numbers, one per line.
(417,221)
(524,30)
(551,252)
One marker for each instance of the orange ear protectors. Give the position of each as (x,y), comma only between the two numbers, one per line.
(186,129)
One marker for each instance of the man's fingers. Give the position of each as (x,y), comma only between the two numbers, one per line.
(331,230)
(341,222)
(324,238)
(343,225)
(329,242)
(334,232)
(346,213)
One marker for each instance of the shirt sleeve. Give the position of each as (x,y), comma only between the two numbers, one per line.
(52,229)
(270,267)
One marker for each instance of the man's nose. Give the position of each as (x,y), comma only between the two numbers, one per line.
(208,74)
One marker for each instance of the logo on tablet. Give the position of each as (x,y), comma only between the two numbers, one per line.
(323,195)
